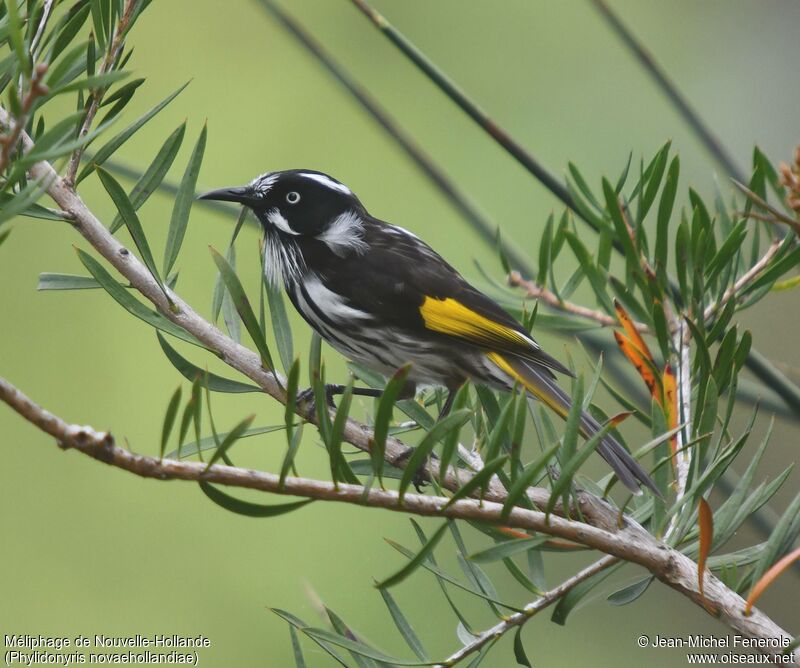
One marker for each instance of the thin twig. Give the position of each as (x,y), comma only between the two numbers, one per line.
(15,126)
(536,291)
(111,56)
(46,11)
(683,455)
(668,87)
(779,216)
(743,281)
(632,543)
(520,618)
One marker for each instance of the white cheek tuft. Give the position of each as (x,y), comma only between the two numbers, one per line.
(276,218)
(345,234)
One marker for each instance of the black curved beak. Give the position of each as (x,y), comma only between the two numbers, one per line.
(240,195)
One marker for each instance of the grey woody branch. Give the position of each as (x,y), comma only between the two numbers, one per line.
(603,528)
(529,611)
(630,543)
(111,57)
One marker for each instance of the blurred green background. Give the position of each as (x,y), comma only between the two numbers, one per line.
(88,549)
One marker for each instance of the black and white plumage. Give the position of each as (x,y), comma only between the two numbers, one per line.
(384,298)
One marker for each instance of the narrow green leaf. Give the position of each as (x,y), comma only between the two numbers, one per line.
(229,314)
(122,93)
(125,209)
(299,660)
(451,440)
(69,28)
(499,431)
(233,435)
(383,416)
(337,460)
(246,508)
(33,210)
(441,577)
(21,201)
(568,602)
(776,543)
(454,421)
(110,148)
(342,628)
(298,623)
(183,204)
(291,452)
(631,592)
(584,188)
(573,422)
(210,442)
(480,479)
(93,81)
(405,629)
(622,233)
(430,566)
(665,207)
(48,281)
(519,650)
(154,174)
(525,479)
(281,328)
(130,303)
(415,562)
(544,251)
(292,382)
(169,420)
(190,372)
(243,307)
(596,277)
(16,37)
(655,171)
(357,647)
(569,470)
(508,548)
(219,288)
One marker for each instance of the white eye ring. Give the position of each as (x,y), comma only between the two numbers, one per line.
(293,197)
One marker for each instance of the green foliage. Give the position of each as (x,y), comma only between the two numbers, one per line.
(683,267)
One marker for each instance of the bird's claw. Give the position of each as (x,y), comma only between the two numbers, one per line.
(307,396)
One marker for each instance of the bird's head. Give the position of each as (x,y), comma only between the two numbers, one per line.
(297,202)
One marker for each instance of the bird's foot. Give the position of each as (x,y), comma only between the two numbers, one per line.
(307,396)
(420,479)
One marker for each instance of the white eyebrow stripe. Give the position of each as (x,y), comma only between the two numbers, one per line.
(328,182)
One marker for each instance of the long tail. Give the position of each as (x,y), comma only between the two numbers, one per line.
(540,383)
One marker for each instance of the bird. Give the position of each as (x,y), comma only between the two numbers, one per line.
(383,298)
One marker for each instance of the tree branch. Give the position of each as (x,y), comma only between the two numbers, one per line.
(536,291)
(605,529)
(631,543)
(743,281)
(519,618)
(112,54)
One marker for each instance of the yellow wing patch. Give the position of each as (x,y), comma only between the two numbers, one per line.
(450,316)
(540,392)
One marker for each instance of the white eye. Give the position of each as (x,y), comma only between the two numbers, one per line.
(293,197)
